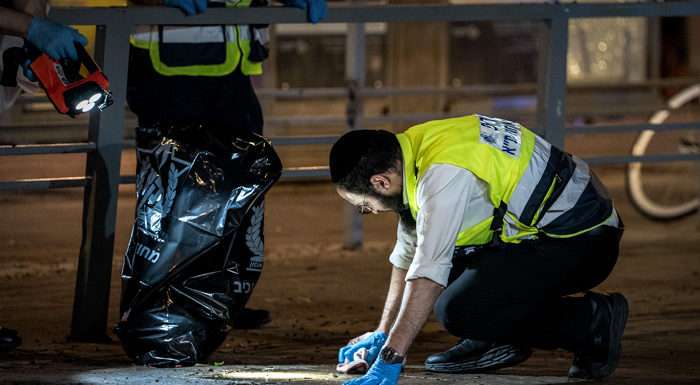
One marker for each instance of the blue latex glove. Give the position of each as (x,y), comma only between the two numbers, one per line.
(54,39)
(315,9)
(190,7)
(380,373)
(373,343)
(28,73)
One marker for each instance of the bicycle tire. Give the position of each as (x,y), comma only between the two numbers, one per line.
(634,175)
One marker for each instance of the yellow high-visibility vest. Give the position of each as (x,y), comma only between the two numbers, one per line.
(538,188)
(224,48)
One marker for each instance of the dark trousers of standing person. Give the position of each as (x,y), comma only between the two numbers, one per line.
(519,293)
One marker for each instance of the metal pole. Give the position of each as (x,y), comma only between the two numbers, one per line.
(551,93)
(355,74)
(100,200)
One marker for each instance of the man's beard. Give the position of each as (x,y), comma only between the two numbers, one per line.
(395,203)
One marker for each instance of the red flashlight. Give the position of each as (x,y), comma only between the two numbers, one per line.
(71,90)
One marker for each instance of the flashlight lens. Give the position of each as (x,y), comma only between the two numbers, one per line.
(85,105)
(94,98)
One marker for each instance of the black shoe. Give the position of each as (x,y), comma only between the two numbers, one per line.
(600,358)
(470,356)
(251,319)
(9,340)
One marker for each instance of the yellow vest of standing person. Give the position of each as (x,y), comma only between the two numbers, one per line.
(215,50)
(535,187)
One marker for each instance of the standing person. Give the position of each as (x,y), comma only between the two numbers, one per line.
(497,228)
(25,19)
(198,77)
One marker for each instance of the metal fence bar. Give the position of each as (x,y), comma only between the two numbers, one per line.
(299,93)
(652,158)
(646,9)
(405,118)
(603,110)
(301,140)
(288,174)
(57,148)
(306,120)
(51,125)
(355,75)
(78,123)
(649,83)
(474,89)
(366,121)
(42,184)
(317,172)
(551,95)
(603,129)
(306,173)
(336,14)
(519,88)
(100,202)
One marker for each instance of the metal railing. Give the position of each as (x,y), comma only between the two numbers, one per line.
(105,130)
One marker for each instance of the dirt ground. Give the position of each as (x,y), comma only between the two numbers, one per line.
(319,294)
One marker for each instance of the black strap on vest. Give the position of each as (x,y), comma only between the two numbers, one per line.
(496,227)
(497,223)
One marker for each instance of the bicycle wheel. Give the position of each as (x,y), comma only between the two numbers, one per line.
(667,191)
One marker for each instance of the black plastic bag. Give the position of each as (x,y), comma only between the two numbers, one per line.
(196,249)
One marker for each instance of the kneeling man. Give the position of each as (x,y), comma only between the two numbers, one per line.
(497,229)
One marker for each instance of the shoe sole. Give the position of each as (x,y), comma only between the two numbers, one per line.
(496,358)
(619,309)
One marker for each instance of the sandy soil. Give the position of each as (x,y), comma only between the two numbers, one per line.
(321,295)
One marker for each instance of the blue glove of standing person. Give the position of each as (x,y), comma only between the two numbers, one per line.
(190,7)
(372,342)
(54,39)
(380,373)
(27,70)
(315,9)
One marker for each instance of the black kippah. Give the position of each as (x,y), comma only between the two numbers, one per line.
(347,152)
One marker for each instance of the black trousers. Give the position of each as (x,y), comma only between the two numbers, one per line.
(517,293)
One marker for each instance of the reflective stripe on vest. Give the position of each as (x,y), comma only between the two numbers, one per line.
(235,47)
(529,182)
(558,194)
(570,194)
(545,190)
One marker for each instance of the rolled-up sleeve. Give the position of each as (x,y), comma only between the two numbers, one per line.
(443,195)
(405,248)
